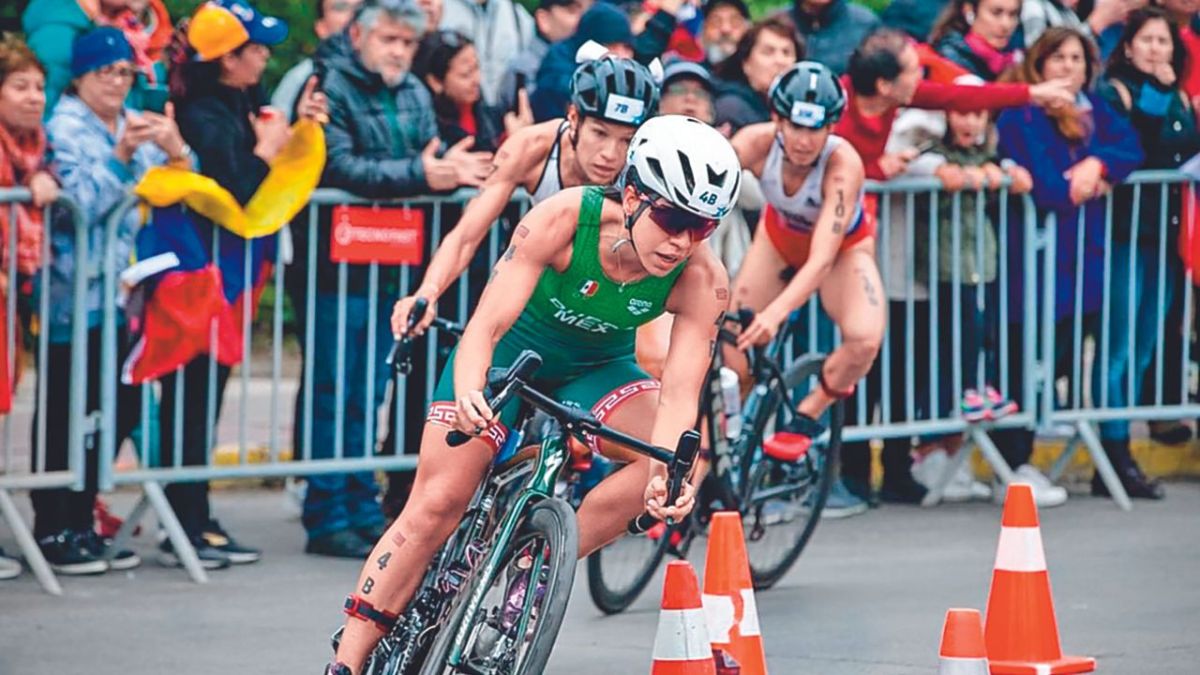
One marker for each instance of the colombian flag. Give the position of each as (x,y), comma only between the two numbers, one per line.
(196,305)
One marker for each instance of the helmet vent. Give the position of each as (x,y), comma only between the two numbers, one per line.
(657,170)
(716,179)
(688,176)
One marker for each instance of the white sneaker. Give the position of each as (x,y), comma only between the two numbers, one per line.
(9,568)
(963,483)
(928,469)
(962,486)
(1045,493)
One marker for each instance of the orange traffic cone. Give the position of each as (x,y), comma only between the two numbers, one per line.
(681,645)
(729,595)
(962,651)
(1021,631)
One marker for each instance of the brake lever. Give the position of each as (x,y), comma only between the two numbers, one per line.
(681,465)
(398,357)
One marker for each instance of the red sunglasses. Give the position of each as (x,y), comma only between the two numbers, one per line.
(675,221)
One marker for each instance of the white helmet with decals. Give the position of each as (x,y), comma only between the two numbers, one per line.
(686,162)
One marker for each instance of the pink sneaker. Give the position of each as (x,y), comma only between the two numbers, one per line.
(998,406)
(973,406)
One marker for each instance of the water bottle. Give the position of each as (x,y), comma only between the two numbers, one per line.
(732,402)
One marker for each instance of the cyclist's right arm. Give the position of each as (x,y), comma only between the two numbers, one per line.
(513,162)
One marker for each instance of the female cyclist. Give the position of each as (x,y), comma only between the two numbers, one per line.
(812,237)
(586,267)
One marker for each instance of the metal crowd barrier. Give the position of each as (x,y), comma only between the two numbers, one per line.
(151,472)
(1107,404)
(16,454)
(912,361)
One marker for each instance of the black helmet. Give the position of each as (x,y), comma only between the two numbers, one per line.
(615,89)
(808,95)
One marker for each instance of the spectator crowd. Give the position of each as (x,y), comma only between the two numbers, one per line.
(1061,99)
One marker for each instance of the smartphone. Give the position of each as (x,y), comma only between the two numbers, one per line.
(154,99)
(516,97)
(319,71)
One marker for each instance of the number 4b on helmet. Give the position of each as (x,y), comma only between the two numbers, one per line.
(689,165)
(808,95)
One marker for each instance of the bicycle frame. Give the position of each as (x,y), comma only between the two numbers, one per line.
(732,460)
(552,457)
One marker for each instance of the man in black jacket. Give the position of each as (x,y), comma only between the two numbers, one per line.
(382,143)
(832,29)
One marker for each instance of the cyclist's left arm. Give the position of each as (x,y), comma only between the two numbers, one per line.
(542,238)
(699,299)
(839,202)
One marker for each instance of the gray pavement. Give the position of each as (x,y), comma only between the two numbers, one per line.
(868,597)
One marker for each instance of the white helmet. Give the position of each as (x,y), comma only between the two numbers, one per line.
(686,162)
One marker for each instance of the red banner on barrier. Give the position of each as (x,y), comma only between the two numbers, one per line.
(364,234)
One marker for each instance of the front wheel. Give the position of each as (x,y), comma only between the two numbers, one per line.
(785,500)
(513,630)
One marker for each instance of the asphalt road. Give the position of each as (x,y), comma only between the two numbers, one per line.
(868,597)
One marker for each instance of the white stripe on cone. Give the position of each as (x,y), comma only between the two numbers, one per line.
(1020,550)
(953,665)
(718,609)
(722,616)
(749,626)
(681,636)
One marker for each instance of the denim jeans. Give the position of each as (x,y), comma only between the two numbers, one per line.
(342,501)
(1136,284)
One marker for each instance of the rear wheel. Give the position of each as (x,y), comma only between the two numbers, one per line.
(515,637)
(785,499)
(619,572)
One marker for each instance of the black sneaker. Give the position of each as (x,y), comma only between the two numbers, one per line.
(1137,485)
(210,558)
(340,544)
(903,490)
(68,553)
(99,546)
(215,536)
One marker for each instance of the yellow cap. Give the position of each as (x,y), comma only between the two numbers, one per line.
(215,31)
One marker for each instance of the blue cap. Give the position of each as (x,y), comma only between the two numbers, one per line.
(98,48)
(263,29)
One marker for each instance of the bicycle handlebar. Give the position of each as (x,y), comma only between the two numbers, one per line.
(523,368)
(578,420)
(400,358)
(743,318)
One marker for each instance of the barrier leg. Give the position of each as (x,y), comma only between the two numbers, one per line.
(1107,473)
(991,454)
(33,554)
(934,496)
(1064,460)
(178,538)
(125,533)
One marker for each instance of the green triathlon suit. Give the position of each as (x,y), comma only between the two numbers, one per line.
(583,325)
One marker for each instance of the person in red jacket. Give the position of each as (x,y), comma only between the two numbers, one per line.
(885,74)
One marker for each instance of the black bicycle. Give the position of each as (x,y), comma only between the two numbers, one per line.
(494,597)
(780,501)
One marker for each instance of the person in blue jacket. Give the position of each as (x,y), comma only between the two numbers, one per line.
(1075,154)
